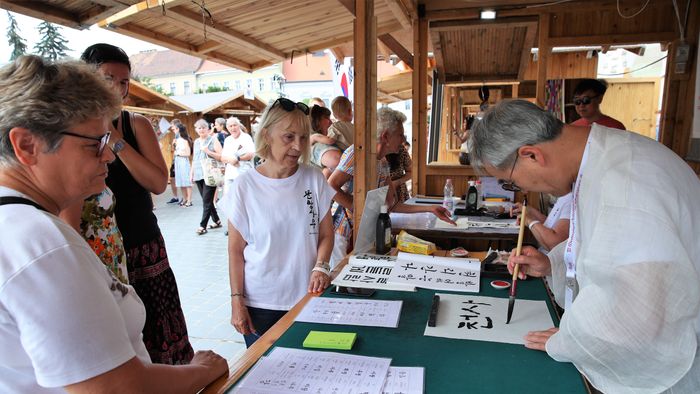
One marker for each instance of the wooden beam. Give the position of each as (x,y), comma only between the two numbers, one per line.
(419,117)
(338,54)
(455,14)
(43,11)
(543,53)
(613,39)
(397,48)
(400,13)
(437,53)
(126,15)
(478,80)
(490,82)
(191,19)
(388,28)
(365,97)
(349,5)
(527,49)
(148,111)
(462,25)
(209,46)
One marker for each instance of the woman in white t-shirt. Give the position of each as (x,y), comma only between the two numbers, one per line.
(550,230)
(181,158)
(238,152)
(66,322)
(280,229)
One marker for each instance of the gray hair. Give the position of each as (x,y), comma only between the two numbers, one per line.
(234,120)
(220,121)
(201,123)
(506,127)
(389,120)
(47,98)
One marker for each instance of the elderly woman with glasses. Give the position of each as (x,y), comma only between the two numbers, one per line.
(280,229)
(588,95)
(66,322)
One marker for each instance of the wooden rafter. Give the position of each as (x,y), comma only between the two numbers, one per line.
(43,11)
(527,48)
(342,40)
(397,48)
(462,25)
(400,12)
(614,39)
(130,13)
(437,53)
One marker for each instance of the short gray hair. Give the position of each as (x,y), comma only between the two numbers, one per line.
(47,98)
(201,123)
(389,120)
(220,121)
(506,127)
(234,120)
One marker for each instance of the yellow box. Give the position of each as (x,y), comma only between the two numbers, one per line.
(408,243)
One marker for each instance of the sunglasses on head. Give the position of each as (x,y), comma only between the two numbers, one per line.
(289,105)
(585,100)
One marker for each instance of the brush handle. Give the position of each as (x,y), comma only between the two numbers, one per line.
(521,234)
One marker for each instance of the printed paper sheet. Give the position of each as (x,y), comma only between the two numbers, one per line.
(440,273)
(369,271)
(329,310)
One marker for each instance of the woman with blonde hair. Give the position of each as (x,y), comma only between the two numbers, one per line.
(282,202)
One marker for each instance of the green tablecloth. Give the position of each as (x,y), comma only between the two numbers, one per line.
(455,365)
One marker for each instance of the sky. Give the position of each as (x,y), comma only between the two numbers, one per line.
(78,40)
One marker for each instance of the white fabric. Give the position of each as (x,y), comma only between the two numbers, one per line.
(560,210)
(182,147)
(63,316)
(232,146)
(279,220)
(340,246)
(634,325)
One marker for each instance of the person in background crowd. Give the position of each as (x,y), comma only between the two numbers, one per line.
(171,180)
(237,153)
(281,202)
(220,130)
(400,171)
(139,170)
(549,230)
(323,151)
(390,136)
(181,159)
(587,98)
(629,273)
(342,132)
(317,101)
(68,324)
(205,147)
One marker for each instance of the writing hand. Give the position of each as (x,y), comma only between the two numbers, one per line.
(532,262)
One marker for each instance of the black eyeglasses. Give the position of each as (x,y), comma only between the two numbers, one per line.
(289,105)
(509,185)
(585,100)
(102,140)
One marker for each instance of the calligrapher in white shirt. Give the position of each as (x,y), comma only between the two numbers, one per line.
(629,272)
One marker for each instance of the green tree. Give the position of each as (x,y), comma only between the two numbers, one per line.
(19,47)
(52,45)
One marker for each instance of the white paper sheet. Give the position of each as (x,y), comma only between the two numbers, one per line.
(368,259)
(329,310)
(370,276)
(404,380)
(287,370)
(440,273)
(476,222)
(484,319)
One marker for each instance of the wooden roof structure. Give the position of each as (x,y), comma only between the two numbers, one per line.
(227,103)
(144,100)
(397,87)
(78,14)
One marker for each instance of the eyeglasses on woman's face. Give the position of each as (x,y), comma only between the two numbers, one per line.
(102,140)
(289,105)
(584,100)
(509,185)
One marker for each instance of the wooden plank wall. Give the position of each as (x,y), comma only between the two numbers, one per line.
(634,102)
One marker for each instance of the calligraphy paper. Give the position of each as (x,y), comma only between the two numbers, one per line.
(476,222)
(440,273)
(369,271)
(329,310)
(484,319)
(404,380)
(287,370)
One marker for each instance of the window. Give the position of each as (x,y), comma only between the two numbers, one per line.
(407,105)
(227,85)
(272,83)
(238,85)
(186,87)
(261,84)
(172,87)
(204,87)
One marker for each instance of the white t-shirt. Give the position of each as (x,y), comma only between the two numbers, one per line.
(64,317)
(279,220)
(634,325)
(241,145)
(560,210)
(182,147)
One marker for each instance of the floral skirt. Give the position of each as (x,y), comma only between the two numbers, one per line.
(165,331)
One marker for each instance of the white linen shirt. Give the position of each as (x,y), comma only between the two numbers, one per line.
(232,146)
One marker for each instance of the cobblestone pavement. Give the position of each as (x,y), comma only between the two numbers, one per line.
(200,264)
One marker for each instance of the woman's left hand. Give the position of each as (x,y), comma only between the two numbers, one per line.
(538,339)
(443,214)
(319,281)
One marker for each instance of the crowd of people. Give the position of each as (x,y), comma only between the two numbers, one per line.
(92,302)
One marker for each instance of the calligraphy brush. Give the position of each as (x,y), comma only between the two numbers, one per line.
(521,233)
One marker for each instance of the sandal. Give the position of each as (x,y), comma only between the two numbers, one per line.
(215,225)
(201,231)
(188,204)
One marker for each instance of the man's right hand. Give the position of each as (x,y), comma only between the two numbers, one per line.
(532,262)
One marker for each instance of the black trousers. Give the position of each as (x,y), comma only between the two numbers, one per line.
(208,209)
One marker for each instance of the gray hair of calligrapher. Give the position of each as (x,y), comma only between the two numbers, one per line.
(389,120)
(506,127)
(48,98)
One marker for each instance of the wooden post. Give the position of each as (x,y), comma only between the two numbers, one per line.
(420,99)
(365,92)
(543,52)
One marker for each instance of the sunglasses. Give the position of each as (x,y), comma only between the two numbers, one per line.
(289,105)
(585,100)
(102,140)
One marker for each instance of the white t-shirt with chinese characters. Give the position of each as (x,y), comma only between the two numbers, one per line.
(241,145)
(64,317)
(280,221)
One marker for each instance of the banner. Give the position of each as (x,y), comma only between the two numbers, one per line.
(343,77)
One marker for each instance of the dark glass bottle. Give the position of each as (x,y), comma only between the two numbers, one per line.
(383,241)
(472,199)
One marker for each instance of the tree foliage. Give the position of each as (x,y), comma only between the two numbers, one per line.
(18,44)
(52,45)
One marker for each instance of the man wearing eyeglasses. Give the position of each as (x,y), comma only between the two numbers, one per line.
(587,98)
(629,273)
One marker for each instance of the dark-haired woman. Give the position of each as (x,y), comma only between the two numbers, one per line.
(181,159)
(139,170)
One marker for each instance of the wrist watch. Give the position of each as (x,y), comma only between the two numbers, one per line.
(118,146)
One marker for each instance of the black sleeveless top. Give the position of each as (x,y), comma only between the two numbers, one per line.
(134,208)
